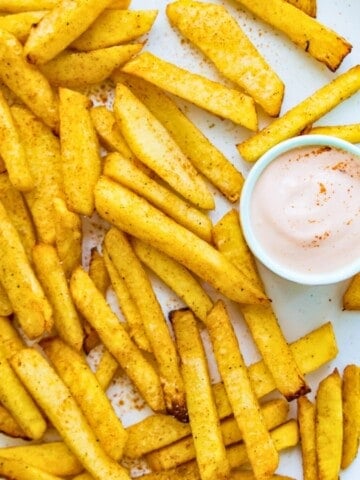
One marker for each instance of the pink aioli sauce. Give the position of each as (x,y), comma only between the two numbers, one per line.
(305,209)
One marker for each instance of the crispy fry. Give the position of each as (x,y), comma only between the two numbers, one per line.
(79,69)
(124,171)
(113,27)
(59,27)
(351,414)
(94,308)
(79,151)
(329,426)
(62,410)
(19,24)
(156,329)
(9,426)
(306,421)
(350,133)
(351,297)
(216,33)
(202,153)
(106,369)
(305,113)
(74,371)
(156,148)
(307,6)
(137,217)
(315,38)
(10,338)
(204,421)
(214,97)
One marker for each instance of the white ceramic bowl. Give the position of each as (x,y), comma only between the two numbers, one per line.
(254,242)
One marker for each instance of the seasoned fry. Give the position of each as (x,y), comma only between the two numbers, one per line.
(5,305)
(204,421)
(351,414)
(79,69)
(13,6)
(124,171)
(214,97)
(10,339)
(295,120)
(23,471)
(350,133)
(156,148)
(156,329)
(202,153)
(306,421)
(319,41)
(62,410)
(177,277)
(216,33)
(106,369)
(52,278)
(74,371)
(59,27)
(351,297)
(329,426)
(113,27)
(307,6)
(19,24)
(79,151)
(9,426)
(94,308)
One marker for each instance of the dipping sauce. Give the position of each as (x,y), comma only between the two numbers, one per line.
(305,209)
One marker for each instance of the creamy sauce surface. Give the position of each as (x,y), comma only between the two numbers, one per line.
(305,209)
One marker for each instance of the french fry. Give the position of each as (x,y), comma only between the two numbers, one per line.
(156,148)
(351,297)
(43,147)
(106,369)
(124,171)
(52,278)
(306,421)
(260,449)
(27,82)
(216,33)
(295,120)
(94,308)
(10,338)
(329,426)
(54,397)
(175,276)
(319,41)
(202,153)
(23,471)
(5,305)
(19,24)
(9,426)
(79,151)
(204,421)
(59,27)
(156,329)
(15,6)
(350,133)
(351,414)
(260,319)
(20,283)
(80,69)
(211,96)
(113,27)
(74,371)
(134,215)
(307,6)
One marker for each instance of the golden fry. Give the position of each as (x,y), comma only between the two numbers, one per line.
(10,338)
(307,6)
(306,421)
(19,24)
(9,426)
(24,471)
(106,369)
(351,414)
(351,297)
(5,305)
(350,133)
(14,6)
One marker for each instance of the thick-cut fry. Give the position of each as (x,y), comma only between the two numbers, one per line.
(216,33)
(79,69)
(329,426)
(306,421)
(307,6)
(212,96)
(13,6)
(351,414)
(204,421)
(64,413)
(315,38)
(10,339)
(203,154)
(233,371)
(52,278)
(9,426)
(124,171)
(132,214)
(94,308)
(26,81)
(157,331)
(74,371)
(20,283)
(351,297)
(295,120)
(43,148)
(260,319)
(79,151)
(19,24)
(23,471)
(175,276)
(113,27)
(156,148)
(350,133)
(59,27)
(106,369)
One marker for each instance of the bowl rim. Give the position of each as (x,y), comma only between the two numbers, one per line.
(255,245)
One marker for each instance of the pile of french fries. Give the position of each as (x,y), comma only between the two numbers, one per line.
(140,165)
